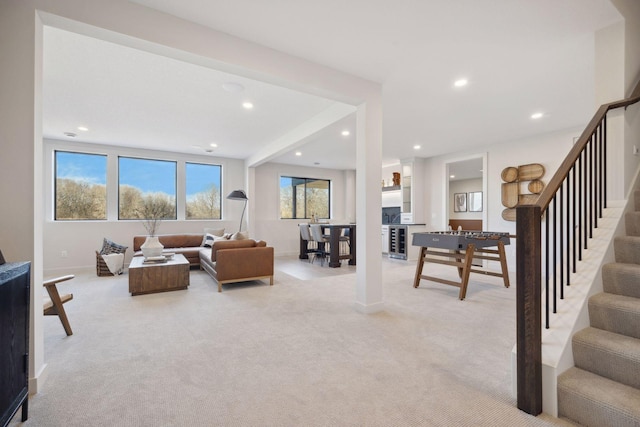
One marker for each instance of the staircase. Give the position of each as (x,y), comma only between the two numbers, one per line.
(603,388)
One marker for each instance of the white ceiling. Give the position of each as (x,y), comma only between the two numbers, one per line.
(465,169)
(520,56)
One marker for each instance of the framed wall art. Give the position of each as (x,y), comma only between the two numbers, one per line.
(460,202)
(475,201)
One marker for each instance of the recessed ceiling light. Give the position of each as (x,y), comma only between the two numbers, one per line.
(83,128)
(298,153)
(247,105)
(452,176)
(70,134)
(461,82)
(213,144)
(416,147)
(232,87)
(345,133)
(536,116)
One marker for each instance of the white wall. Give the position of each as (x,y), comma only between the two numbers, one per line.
(548,150)
(20,136)
(631,12)
(464,186)
(617,73)
(122,21)
(80,239)
(283,234)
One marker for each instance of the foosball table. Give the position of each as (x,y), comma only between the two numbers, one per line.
(459,249)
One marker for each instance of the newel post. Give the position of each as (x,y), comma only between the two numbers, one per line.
(528,309)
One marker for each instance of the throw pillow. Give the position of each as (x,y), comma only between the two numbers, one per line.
(109,247)
(216,232)
(208,240)
(240,235)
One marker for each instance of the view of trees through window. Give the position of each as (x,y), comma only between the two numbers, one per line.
(303,198)
(146,188)
(80,186)
(203,191)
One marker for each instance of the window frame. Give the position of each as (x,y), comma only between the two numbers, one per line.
(186,195)
(175,196)
(54,175)
(306,213)
(113,152)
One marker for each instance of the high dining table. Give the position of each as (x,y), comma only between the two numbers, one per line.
(335,231)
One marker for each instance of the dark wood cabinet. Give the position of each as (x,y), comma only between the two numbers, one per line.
(15,281)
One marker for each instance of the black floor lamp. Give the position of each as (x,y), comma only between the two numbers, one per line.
(239,195)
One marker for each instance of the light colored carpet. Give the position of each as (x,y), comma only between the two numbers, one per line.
(295,354)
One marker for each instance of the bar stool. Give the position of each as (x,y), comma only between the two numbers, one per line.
(323,241)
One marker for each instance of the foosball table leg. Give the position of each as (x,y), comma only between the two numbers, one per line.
(466,270)
(503,264)
(459,259)
(416,281)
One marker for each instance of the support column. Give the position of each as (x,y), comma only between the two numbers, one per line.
(369,205)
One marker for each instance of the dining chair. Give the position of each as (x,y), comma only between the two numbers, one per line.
(322,241)
(312,245)
(345,241)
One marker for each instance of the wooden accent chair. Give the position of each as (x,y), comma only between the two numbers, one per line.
(53,306)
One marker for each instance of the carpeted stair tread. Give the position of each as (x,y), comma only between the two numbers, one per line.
(609,355)
(615,313)
(592,400)
(627,249)
(636,200)
(632,223)
(621,279)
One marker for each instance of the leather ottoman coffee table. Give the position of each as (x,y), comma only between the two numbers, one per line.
(149,277)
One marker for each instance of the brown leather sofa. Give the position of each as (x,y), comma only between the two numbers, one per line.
(229,261)
(188,245)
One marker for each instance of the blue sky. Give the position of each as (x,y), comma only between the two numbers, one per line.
(147,175)
(150,176)
(200,177)
(89,168)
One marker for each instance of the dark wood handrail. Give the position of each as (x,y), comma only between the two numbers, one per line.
(563,170)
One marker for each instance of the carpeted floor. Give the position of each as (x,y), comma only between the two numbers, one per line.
(295,354)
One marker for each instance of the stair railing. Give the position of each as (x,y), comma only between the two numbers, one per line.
(570,206)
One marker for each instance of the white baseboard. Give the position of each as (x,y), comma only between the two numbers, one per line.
(369,309)
(36,382)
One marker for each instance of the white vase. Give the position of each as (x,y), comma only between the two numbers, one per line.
(151,247)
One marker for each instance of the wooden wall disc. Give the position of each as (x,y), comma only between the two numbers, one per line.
(509,214)
(530,172)
(509,174)
(510,193)
(536,186)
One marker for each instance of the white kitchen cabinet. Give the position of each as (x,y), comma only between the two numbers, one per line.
(412,180)
(385,239)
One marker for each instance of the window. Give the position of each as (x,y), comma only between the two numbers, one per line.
(203,191)
(80,186)
(302,198)
(147,188)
